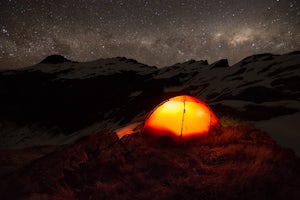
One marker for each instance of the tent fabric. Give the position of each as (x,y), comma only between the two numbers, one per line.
(180,118)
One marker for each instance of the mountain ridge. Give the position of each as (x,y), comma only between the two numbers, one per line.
(57,59)
(79,95)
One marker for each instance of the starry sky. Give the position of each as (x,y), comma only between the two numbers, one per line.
(154,32)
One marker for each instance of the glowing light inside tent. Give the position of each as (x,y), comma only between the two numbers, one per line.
(180,117)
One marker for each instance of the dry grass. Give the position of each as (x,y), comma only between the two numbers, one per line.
(237,162)
(13,159)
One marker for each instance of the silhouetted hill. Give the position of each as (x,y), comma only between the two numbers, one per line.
(220,63)
(55,59)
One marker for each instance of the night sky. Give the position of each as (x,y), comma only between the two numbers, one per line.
(156,32)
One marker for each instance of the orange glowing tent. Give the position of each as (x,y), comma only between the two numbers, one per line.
(180,118)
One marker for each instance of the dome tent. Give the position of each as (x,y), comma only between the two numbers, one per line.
(180,118)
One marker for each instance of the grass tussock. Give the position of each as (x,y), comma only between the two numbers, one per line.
(228,121)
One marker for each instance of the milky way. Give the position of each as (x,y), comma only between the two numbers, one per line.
(153,32)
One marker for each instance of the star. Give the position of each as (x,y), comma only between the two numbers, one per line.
(153,32)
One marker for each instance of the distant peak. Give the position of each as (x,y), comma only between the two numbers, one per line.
(55,59)
(127,60)
(121,58)
(294,53)
(220,63)
(201,62)
(258,57)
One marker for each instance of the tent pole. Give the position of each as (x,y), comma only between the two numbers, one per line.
(182,119)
